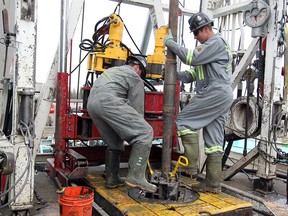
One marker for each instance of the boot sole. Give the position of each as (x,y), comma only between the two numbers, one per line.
(134,185)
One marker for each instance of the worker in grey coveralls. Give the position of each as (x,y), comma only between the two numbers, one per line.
(116,106)
(208,109)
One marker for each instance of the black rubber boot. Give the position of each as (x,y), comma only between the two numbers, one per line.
(137,167)
(212,180)
(112,162)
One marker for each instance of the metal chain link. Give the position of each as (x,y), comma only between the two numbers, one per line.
(40,200)
(273,160)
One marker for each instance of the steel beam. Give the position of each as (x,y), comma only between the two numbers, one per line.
(22,180)
(245,61)
(240,164)
(272,93)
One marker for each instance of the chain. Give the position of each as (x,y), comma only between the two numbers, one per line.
(281,48)
(40,200)
(270,159)
(283,155)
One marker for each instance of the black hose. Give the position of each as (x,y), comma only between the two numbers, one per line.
(149,85)
(7,127)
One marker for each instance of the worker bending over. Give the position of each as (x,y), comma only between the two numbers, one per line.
(116,105)
(208,109)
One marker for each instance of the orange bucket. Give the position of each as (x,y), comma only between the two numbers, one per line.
(76,200)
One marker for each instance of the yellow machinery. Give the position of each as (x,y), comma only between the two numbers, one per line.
(103,55)
(114,53)
(158,59)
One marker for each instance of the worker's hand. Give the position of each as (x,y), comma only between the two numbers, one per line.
(168,37)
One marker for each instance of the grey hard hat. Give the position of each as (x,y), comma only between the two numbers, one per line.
(138,60)
(199,20)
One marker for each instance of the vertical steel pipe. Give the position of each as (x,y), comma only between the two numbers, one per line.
(61,93)
(169,91)
(63,37)
(287,187)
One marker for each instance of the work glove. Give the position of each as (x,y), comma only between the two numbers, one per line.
(168,37)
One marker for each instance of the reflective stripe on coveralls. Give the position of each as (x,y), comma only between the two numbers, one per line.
(185,132)
(193,74)
(200,73)
(213,149)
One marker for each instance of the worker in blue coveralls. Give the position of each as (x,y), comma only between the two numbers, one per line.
(116,106)
(211,69)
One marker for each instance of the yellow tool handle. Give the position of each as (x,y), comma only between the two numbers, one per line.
(150,169)
(184,163)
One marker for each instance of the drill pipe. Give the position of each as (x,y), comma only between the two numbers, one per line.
(169,92)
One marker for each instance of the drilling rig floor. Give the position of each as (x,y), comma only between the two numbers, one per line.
(238,195)
(119,202)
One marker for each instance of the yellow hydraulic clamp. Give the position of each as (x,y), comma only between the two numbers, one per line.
(100,61)
(157,61)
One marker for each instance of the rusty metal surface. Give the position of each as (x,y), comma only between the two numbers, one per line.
(184,196)
(61,124)
(7,163)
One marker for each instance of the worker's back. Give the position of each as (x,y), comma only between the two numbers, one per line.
(120,82)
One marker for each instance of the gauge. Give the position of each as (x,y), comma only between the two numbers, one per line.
(257,14)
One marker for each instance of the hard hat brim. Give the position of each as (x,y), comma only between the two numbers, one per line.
(201,26)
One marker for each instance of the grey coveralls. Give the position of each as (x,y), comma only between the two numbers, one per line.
(208,109)
(116,106)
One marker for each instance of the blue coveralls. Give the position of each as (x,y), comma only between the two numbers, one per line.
(208,109)
(116,105)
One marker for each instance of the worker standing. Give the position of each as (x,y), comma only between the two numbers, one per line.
(116,106)
(208,109)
